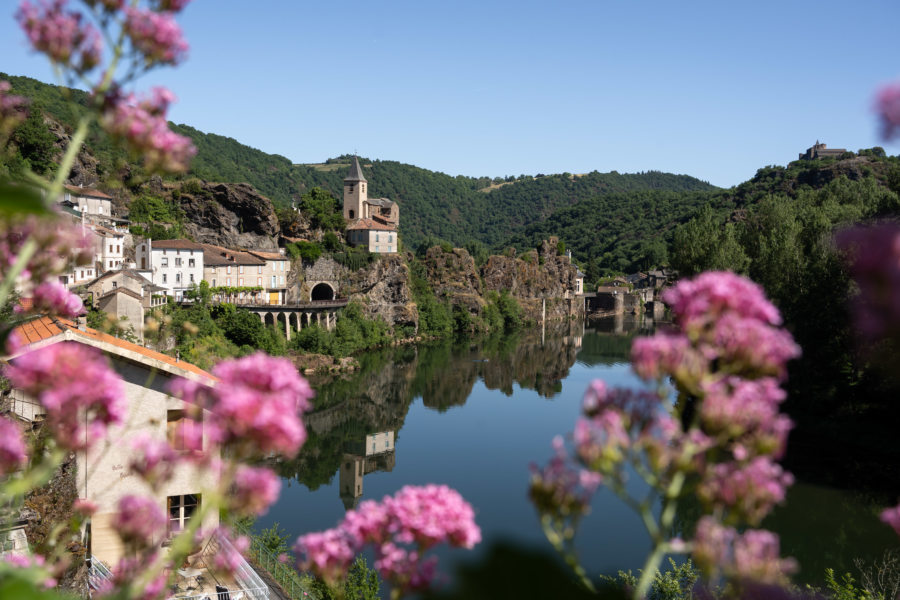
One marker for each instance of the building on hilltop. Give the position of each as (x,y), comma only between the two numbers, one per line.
(370,221)
(820,150)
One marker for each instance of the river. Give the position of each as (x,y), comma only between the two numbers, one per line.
(474,415)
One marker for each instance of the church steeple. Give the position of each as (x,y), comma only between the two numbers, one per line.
(355,195)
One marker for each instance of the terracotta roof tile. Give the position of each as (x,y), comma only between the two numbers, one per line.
(370,225)
(86,192)
(44,328)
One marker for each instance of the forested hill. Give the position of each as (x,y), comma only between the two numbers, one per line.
(433,205)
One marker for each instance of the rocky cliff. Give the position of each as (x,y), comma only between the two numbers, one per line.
(383,289)
(233,215)
(454,278)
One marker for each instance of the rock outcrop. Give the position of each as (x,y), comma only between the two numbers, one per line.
(454,278)
(533,277)
(233,215)
(383,289)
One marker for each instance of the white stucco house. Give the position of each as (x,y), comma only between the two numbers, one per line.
(176,265)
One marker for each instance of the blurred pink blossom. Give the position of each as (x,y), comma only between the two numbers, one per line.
(139,520)
(887,106)
(12,447)
(256,405)
(753,555)
(156,35)
(154,459)
(59,246)
(702,300)
(64,36)
(84,507)
(73,382)
(751,490)
(12,110)
(891,516)
(255,490)
(53,298)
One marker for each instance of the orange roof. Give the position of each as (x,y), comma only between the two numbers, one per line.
(268,255)
(43,328)
(370,224)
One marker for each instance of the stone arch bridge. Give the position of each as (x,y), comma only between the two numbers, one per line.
(300,315)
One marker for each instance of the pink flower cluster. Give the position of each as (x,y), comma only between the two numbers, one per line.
(753,555)
(401,528)
(750,489)
(59,246)
(12,447)
(12,110)
(255,490)
(53,298)
(891,516)
(64,36)
(154,459)
(256,405)
(874,254)
(139,521)
(141,124)
(887,106)
(81,394)
(561,488)
(156,35)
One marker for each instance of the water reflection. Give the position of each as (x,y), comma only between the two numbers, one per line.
(376,453)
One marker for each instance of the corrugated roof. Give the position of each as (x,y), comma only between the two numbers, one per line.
(45,328)
(370,225)
(87,192)
(355,173)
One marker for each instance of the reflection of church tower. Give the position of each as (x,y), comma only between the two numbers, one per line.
(355,194)
(375,454)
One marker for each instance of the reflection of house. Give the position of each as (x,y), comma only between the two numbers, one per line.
(375,453)
(175,265)
(370,222)
(103,475)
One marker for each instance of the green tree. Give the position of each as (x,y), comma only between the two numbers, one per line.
(35,142)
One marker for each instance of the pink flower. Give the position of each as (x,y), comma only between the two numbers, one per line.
(141,124)
(60,246)
(427,515)
(12,110)
(12,447)
(230,557)
(154,459)
(749,347)
(139,520)
(602,441)
(256,404)
(560,488)
(53,298)
(703,299)
(891,516)
(84,507)
(666,354)
(887,105)
(367,523)
(255,490)
(62,35)
(327,554)
(752,490)
(753,555)
(76,387)
(156,35)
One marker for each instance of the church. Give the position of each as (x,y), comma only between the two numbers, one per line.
(371,222)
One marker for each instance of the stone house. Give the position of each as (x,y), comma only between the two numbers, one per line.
(372,222)
(88,201)
(275,275)
(102,471)
(820,150)
(125,294)
(176,265)
(224,268)
(110,247)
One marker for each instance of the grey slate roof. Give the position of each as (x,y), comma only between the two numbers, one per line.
(380,202)
(355,173)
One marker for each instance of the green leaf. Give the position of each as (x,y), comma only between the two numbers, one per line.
(21,199)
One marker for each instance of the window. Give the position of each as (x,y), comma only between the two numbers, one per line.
(228,281)
(229,269)
(282,280)
(376,237)
(111,247)
(390,237)
(118,247)
(273,281)
(182,433)
(259,270)
(181,509)
(241,281)
(282,265)
(241,269)
(164,262)
(177,277)
(177,261)
(164,277)
(259,281)
(192,277)
(115,284)
(191,262)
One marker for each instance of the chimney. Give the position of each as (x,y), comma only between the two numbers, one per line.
(81,320)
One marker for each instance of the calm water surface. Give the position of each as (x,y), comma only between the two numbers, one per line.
(474,415)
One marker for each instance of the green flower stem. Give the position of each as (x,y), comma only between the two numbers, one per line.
(25,254)
(559,543)
(660,545)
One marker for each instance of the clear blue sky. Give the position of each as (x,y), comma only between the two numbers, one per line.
(713,89)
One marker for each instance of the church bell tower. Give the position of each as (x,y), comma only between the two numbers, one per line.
(355,194)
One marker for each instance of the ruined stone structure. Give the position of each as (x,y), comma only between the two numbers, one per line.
(820,150)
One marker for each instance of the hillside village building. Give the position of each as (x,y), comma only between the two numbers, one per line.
(175,265)
(254,268)
(370,222)
(821,151)
(125,295)
(88,201)
(102,473)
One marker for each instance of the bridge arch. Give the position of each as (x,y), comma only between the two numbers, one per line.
(321,291)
